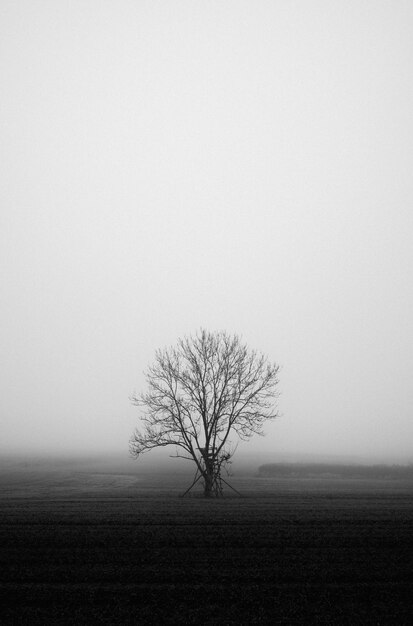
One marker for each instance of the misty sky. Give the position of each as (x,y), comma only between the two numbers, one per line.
(231,164)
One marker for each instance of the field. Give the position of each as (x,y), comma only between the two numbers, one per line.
(114,547)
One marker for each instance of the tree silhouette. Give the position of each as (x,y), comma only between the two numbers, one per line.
(200,392)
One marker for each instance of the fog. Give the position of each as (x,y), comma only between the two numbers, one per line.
(236,165)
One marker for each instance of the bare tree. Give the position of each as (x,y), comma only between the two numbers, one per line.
(200,392)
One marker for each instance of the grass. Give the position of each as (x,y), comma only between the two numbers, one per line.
(103,547)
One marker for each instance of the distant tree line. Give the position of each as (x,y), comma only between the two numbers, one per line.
(332,470)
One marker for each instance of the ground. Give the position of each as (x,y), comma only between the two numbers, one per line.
(84,547)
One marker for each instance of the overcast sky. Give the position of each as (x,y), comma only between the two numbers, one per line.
(237,165)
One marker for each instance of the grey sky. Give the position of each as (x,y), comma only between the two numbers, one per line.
(236,165)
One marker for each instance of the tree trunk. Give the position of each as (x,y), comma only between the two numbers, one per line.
(208,483)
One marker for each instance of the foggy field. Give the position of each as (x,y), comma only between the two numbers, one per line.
(107,547)
(206,236)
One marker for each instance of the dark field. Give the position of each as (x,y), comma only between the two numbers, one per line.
(85,547)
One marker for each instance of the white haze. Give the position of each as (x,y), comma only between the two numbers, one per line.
(237,165)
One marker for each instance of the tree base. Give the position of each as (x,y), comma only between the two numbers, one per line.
(216,490)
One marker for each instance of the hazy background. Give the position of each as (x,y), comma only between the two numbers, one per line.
(236,165)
